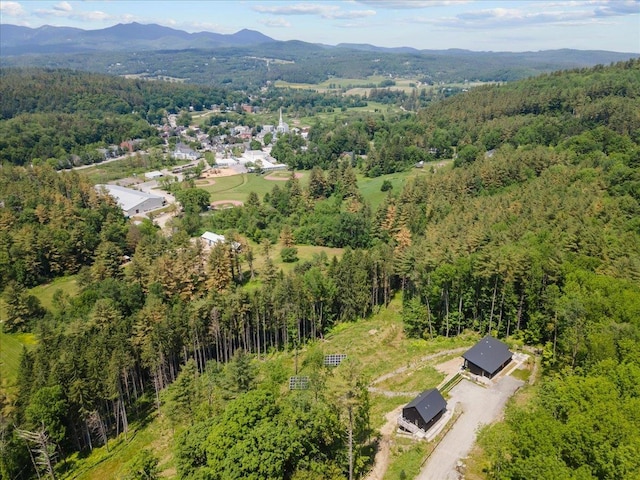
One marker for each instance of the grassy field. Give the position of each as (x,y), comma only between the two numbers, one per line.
(406,458)
(238,187)
(370,187)
(340,83)
(305,253)
(11,346)
(372,108)
(45,293)
(155,435)
(414,380)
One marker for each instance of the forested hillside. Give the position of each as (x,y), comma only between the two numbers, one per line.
(62,117)
(256,60)
(532,232)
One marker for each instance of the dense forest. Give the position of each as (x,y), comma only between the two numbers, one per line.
(532,234)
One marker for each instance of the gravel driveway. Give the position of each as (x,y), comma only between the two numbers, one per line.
(480,405)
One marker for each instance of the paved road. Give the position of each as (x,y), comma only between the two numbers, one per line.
(481,406)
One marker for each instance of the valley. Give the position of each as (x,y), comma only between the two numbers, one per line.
(286,260)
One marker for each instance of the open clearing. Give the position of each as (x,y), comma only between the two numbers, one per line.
(11,345)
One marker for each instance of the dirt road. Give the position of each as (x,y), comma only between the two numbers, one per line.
(481,406)
(381,461)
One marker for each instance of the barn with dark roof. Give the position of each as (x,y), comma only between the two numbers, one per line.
(426,409)
(487,357)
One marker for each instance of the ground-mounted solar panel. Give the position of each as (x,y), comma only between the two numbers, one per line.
(298,382)
(334,359)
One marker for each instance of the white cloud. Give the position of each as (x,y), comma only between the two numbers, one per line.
(411,4)
(324,11)
(63,7)
(94,16)
(515,17)
(12,9)
(612,9)
(275,22)
(353,14)
(60,11)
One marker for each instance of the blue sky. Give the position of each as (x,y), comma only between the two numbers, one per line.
(426,24)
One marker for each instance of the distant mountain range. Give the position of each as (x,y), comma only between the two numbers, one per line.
(17,40)
(249,58)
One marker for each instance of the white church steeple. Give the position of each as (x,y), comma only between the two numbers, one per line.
(282,127)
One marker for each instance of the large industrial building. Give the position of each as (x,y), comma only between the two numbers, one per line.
(133,202)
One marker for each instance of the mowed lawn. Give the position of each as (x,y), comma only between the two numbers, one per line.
(371,187)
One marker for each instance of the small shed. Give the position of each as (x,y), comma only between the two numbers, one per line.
(426,409)
(487,357)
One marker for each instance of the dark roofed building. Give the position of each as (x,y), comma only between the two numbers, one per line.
(426,409)
(487,357)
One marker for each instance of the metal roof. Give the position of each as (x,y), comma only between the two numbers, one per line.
(127,198)
(428,404)
(212,237)
(489,354)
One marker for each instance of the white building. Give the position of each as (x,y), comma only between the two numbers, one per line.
(133,202)
(183,152)
(210,238)
(267,162)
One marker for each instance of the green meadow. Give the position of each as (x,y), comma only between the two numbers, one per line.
(11,344)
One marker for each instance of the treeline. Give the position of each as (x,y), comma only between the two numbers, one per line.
(66,140)
(33,90)
(330,211)
(543,111)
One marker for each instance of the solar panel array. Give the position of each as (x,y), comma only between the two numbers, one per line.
(334,359)
(298,383)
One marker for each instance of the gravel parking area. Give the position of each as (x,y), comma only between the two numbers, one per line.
(481,406)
